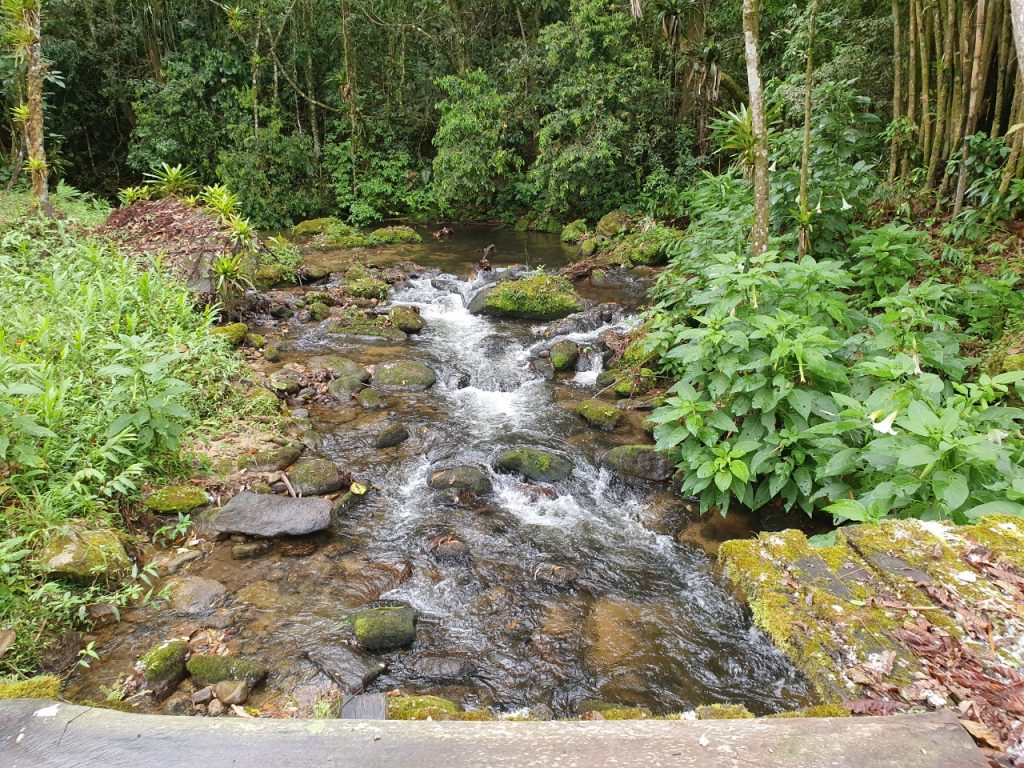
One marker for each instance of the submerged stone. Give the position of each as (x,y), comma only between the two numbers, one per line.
(392,435)
(535,464)
(256,514)
(195,595)
(461,478)
(403,376)
(639,462)
(599,414)
(163,667)
(384,628)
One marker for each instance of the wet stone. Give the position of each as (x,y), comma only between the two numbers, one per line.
(403,376)
(315,477)
(351,670)
(534,464)
(384,628)
(249,550)
(259,515)
(232,691)
(195,594)
(444,669)
(372,399)
(448,548)
(392,435)
(639,462)
(461,478)
(297,548)
(203,695)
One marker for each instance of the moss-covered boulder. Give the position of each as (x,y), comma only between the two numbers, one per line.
(209,670)
(395,235)
(644,248)
(589,247)
(614,223)
(461,478)
(534,464)
(407,319)
(574,231)
(392,435)
(355,322)
(639,462)
(315,477)
(372,400)
(255,340)
(317,311)
(384,628)
(403,376)
(723,712)
(273,276)
(535,297)
(174,499)
(564,355)
(339,366)
(337,235)
(315,226)
(83,555)
(273,350)
(284,384)
(273,459)
(163,667)
(233,334)
(38,687)
(599,414)
(421,708)
(538,222)
(361,283)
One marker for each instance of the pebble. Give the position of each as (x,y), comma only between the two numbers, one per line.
(232,691)
(215,708)
(203,695)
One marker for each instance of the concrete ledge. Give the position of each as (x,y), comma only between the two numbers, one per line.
(41,734)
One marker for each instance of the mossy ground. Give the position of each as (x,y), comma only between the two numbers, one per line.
(233,333)
(39,687)
(396,235)
(176,498)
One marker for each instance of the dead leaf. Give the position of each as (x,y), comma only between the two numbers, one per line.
(981,733)
(7,638)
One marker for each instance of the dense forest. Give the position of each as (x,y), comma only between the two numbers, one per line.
(821,204)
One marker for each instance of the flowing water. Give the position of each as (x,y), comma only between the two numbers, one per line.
(568,593)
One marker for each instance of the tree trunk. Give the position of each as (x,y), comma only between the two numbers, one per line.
(897,89)
(1017,20)
(34,126)
(972,109)
(805,156)
(762,200)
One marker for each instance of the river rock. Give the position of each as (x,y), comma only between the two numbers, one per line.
(176,499)
(349,376)
(315,477)
(534,297)
(249,550)
(582,322)
(542,367)
(232,691)
(444,669)
(613,223)
(274,349)
(534,464)
(447,548)
(461,478)
(640,462)
(406,319)
(274,459)
(255,514)
(207,669)
(403,376)
(352,671)
(163,667)
(457,380)
(599,414)
(392,435)
(195,595)
(384,628)
(564,355)
(372,399)
(283,384)
(83,555)
(216,708)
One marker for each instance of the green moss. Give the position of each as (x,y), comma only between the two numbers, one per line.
(338,234)
(1013,363)
(645,248)
(176,498)
(589,247)
(379,629)
(394,235)
(614,223)
(255,340)
(818,710)
(318,311)
(1002,534)
(273,276)
(39,687)
(115,704)
(538,222)
(234,333)
(626,713)
(315,226)
(356,323)
(574,231)
(207,670)
(404,376)
(599,414)
(321,296)
(85,555)
(724,712)
(539,466)
(361,283)
(537,297)
(422,708)
(163,666)
(406,319)
(564,355)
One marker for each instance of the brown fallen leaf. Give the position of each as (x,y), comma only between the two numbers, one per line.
(7,638)
(981,733)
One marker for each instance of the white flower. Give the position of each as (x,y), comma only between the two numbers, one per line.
(846,206)
(885,425)
(818,208)
(997,436)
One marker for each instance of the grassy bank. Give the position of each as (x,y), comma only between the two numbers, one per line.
(105,366)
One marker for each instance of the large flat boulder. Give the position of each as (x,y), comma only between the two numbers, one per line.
(256,514)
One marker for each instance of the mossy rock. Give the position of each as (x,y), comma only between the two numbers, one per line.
(589,247)
(273,350)
(599,414)
(535,297)
(392,435)
(318,311)
(403,376)
(538,222)
(724,712)
(83,555)
(208,670)
(273,276)
(366,288)
(38,687)
(534,464)
(564,355)
(284,384)
(614,223)
(640,462)
(322,297)
(816,710)
(233,334)
(262,400)
(274,459)
(315,226)
(422,708)
(396,235)
(372,399)
(369,328)
(174,499)
(646,248)
(384,628)
(337,235)
(163,666)
(461,478)
(315,477)
(406,319)
(606,378)
(574,231)
(339,366)
(255,341)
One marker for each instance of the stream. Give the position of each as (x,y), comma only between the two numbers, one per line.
(574,591)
